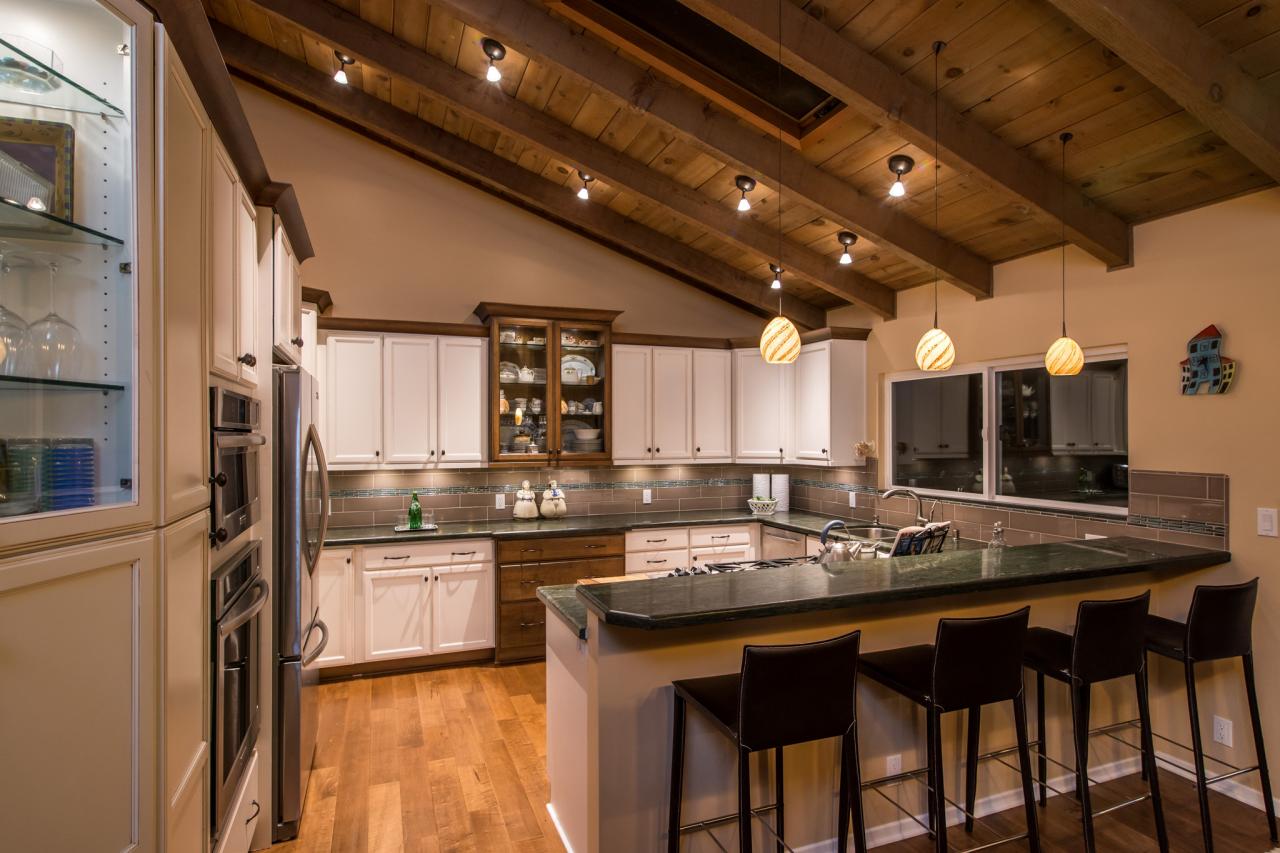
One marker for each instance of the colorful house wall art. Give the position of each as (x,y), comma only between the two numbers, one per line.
(1205,366)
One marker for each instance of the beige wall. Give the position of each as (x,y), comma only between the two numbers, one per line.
(396,239)
(1219,264)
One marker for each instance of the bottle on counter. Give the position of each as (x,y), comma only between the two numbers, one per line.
(415,512)
(997,537)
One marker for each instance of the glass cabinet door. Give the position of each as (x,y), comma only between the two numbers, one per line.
(583,365)
(523,359)
(68,300)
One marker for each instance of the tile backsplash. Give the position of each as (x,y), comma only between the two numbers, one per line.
(1169,506)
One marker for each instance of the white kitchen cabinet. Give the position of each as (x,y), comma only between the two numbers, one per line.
(712,405)
(657,561)
(397,613)
(761,416)
(247,288)
(224,328)
(720,554)
(1103,411)
(246,810)
(776,544)
(336,600)
(408,406)
(354,399)
(940,418)
(461,429)
(310,332)
(632,403)
(1084,414)
(287,291)
(812,412)
(671,392)
(828,409)
(462,608)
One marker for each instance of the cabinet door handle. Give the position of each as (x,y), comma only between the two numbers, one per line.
(433,453)
(461,553)
(220,480)
(442,454)
(593,545)
(405,557)
(726,536)
(655,541)
(697,450)
(657,450)
(648,450)
(655,562)
(248,359)
(257,810)
(297,342)
(377,453)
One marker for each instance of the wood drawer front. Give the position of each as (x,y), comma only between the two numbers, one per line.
(718,537)
(522,630)
(657,561)
(414,554)
(657,540)
(520,582)
(560,548)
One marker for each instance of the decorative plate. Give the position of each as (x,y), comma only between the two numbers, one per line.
(583,366)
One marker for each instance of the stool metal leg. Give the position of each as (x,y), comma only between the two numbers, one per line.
(1149,760)
(777,786)
(1197,748)
(936,777)
(1263,773)
(929,762)
(1042,764)
(850,744)
(677,776)
(842,820)
(744,800)
(971,766)
(1080,717)
(1024,762)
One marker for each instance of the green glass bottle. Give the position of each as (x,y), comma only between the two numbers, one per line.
(415,513)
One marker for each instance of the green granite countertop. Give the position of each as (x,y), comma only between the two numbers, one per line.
(704,599)
(800,522)
(563,601)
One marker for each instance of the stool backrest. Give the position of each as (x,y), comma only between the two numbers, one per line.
(1220,622)
(979,661)
(1110,638)
(797,693)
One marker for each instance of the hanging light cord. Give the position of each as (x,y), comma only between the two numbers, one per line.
(937,49)
(1062,216)
(779,95)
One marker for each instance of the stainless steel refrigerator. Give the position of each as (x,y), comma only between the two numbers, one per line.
(301,517)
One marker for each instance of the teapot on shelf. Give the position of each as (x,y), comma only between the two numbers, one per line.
(553,505)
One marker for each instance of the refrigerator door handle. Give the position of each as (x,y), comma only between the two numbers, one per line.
(324,643)
(313,440)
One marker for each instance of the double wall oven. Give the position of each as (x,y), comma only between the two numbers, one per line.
(235,444)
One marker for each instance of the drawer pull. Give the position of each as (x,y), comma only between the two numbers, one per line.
(655,562)
(655,541)
(531,581)
(594,545)
(532,624)
(726,536)
(404,557)
(462,553)
(530,550)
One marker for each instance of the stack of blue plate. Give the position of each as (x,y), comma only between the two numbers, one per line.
(70,474)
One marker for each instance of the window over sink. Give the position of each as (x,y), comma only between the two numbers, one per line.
(1009,432)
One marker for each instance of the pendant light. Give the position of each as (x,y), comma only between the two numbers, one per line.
(1064,358)
(583,193)
(496,52)
(780,340)
(846,239)
(340,76)
(935,352)
(899,165)
(745,184)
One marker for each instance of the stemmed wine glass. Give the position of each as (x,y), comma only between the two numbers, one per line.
(54,343)
(13,329)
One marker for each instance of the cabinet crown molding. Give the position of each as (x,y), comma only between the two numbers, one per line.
(487,310)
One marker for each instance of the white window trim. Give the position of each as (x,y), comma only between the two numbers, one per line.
(988,370)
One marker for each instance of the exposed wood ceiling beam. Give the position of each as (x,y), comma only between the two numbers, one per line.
(1164,45)
(477,166)
(481,100)
(815,51)
(533,31)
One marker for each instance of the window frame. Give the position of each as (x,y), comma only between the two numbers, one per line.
(990,433)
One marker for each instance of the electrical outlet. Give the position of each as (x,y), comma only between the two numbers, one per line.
(500,500)
(853,500)
(1221,730)
(1267,525)
(1094,536)
(646,496)
(893,764)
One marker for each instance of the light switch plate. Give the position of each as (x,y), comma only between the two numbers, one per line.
(1222,730)
(1267,523)
(500,500)
(646,496)
(853,500)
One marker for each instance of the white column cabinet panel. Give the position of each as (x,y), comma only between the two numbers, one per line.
(632,404)
(672,406)
(408,401)
(335,598)
(246,225)
(355,399)
(828,403)
(397,615)
(461,430)
(224,201)
(287,291)
(812,409)
(760,405)
(462,611)
(310,332)
(712,405)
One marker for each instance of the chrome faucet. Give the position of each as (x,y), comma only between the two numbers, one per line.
(899,491)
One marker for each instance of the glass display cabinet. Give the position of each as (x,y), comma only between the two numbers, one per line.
(549,398)
(69,80)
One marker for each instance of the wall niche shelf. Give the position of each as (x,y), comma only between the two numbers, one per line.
(34,83)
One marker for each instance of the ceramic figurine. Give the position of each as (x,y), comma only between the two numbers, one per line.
(553,505)
(503,405)
(525,508)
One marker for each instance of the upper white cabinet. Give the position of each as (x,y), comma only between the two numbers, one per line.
(1085,414)
(633,404)
(940,418)
(761,418)
(287,286)
(712,405)
(657,407)
(403,401)
(828,410)
(233,272)
(672,394)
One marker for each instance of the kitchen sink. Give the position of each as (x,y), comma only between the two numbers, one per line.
(871,532)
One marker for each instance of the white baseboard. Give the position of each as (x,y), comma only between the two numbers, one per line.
(1230,787)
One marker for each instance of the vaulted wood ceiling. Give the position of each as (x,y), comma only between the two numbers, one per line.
(582,90)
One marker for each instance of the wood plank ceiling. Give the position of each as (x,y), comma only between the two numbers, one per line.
(1018,70)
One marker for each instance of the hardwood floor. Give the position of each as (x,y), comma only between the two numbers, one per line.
(455,760)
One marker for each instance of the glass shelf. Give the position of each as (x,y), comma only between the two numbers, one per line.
(519,345)
(24,79)
(19,383)
(18,222)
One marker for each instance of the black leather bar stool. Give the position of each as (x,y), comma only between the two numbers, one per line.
(972,662)
(1219,626)
(1109,642)
(784,695)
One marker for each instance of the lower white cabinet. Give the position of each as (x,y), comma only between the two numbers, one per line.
(397,613)
(667,548)
(462,608)
(336,600)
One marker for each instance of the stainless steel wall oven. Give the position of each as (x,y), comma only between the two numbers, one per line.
(234,447)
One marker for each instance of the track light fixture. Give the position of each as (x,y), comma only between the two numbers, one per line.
(586,179)
(776,284)
(745,184)
(496,52)
(846,239)
(340,76)
(899,164)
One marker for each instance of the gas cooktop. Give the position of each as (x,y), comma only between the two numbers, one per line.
(739,566)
